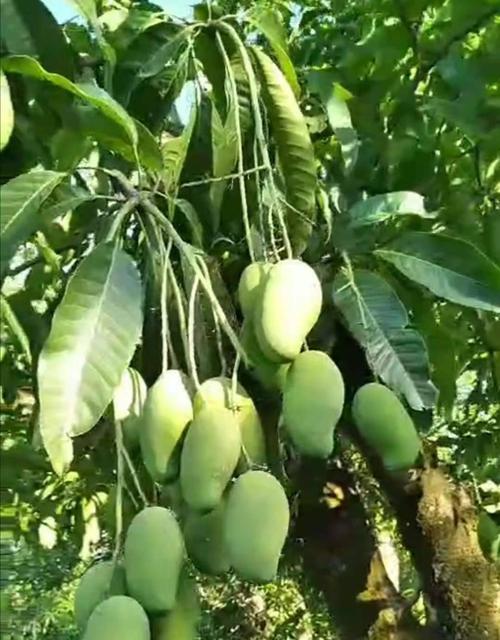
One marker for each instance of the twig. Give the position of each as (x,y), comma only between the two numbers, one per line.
(218,334)
(163,305)
(180,311)
(191,323)
(230,176)
(134,475)
(119,490)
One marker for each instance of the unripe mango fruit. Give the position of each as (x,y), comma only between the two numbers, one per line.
(182,622)
(6,112)
(217,392)
(256,524)
(167,412)
(271,375)
(154,555)
(128,402)
(250,286)
(204,536)
(289,307)
(209,457)
(102,580)
(313,399)
(386,427)
(117,618)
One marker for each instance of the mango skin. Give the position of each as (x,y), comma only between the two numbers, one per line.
(96,584)
(313,399)
(182,622)
(488,533)
(167,412)
(217,392)
(204,537)
(271,375)
(256,525)
(250,286)
(386,427)
(128,402)
(6,113)
(154,555)
(209,457)
(117,618)
(289,307)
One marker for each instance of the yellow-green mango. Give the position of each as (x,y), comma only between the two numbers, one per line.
(204,537)
(154,555)
(167,412)
(118,618)
(250,286)
(386,427)
(488,533)
(128,402)
(271,375)
(6,112)
(102,580)
(217,392)
(209,457)
(256,525)
(182,622)
(289,307)
(313,399)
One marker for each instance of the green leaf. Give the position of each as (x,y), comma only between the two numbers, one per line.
(224,157)
(268,22)
(191,215)
(378,320)
(163,55)
(113,138)
(6,112)
(94,333)
(89,93)
(21,199)
(449,267)
(295,150)
(174,153)
(334,98)
(9,316)
(386,205)
(33,31)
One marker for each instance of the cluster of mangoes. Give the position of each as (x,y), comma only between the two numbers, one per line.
(207,448)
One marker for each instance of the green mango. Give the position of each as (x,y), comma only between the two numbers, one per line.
(128,402)
(271,375)
(167,412)
(102,580)
(250,286)
(488,533)
(313,399)
(256,525)
(154,555)
(217,393)
(6,112)
(117,618)
(288,309)
(209,457)
(386,427)
(182,622)
(204,536)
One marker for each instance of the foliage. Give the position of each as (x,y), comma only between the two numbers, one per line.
(152,159)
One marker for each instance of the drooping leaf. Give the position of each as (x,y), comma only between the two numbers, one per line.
(334,98)
(268,21)
(6,112)
(174,153)
(94,333)
(21,200)
(379,322)
(30,29)
(193,219)
(449,267)
(381,207)
(294,146)
(224,155)
(89,93)
(113,138)
(167,53)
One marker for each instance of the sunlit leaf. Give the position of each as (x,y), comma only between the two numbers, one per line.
(449,267)
(94,333)
(386,205)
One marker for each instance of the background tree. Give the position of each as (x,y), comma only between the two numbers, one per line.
(146,161)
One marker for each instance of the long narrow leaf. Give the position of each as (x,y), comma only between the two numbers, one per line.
(93,337)
(378,320)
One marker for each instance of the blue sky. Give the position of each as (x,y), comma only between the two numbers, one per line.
(63,10)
